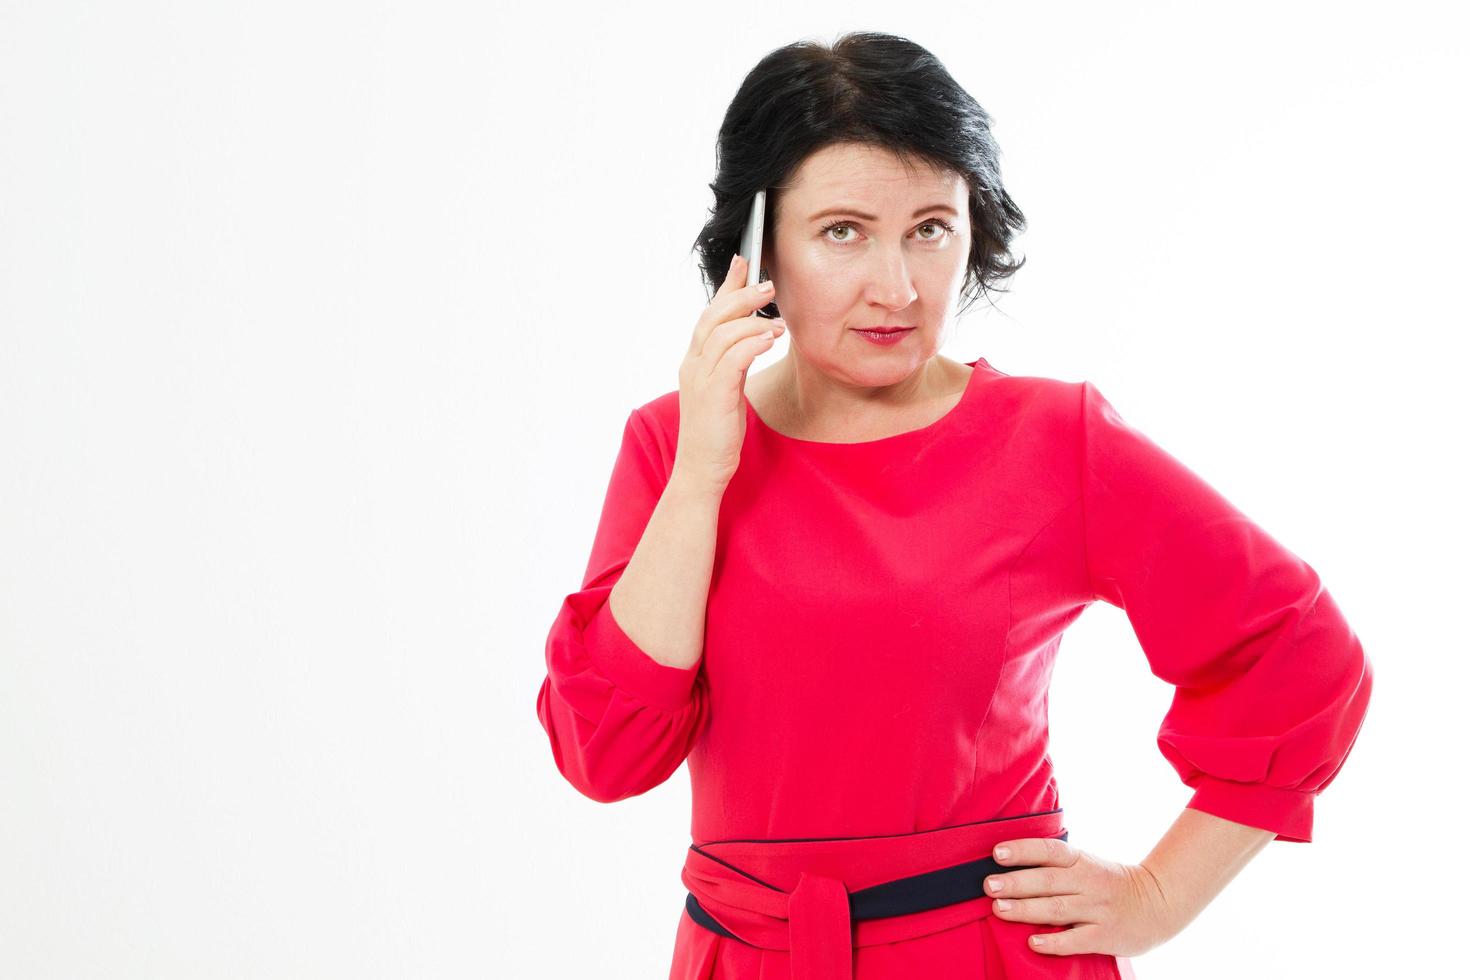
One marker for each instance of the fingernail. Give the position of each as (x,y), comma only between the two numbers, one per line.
(996,884)
(732,261)
(1001,853)
(1002,904)
(766,286)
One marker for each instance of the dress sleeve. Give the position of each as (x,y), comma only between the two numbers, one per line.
(1271,683)
(620,722)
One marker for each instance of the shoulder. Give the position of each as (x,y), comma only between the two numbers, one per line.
(662,413)
(656,425)
(1032,400)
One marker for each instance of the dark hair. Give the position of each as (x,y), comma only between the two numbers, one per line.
(868,88)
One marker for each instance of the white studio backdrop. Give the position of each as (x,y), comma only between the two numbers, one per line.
(319,323)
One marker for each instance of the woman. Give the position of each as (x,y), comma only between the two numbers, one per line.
(838,587)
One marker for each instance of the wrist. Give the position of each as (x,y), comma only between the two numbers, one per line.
(694,487)
(1166,916)
(1197,858)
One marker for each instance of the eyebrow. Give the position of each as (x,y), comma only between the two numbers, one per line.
(872,217)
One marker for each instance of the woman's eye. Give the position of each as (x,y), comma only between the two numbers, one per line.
(844,226)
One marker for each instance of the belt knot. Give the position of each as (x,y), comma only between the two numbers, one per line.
(820,918)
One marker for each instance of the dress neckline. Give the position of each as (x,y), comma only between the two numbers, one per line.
(965,397)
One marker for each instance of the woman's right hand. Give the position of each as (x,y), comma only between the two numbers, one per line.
(727,338)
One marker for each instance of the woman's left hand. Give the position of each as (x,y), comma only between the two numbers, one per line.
(1111,908)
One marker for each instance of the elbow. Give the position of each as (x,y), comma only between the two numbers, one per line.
(603,769)
(600,783)
(599,792)
(586,777)
(613,778)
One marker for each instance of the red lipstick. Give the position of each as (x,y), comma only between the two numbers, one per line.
(886,336)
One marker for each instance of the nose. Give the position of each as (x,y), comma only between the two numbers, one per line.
(889,284)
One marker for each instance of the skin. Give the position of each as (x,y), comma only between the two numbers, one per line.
(1121,909)
(894,269)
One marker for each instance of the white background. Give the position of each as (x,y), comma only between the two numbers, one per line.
(319,323)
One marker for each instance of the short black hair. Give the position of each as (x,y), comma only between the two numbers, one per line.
(867,88)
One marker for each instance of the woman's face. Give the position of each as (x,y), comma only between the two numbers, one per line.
(861,242)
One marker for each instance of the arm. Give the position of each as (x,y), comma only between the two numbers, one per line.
(660,598)
(1198,856)
(1271,684)
(1271,688)
(623,707)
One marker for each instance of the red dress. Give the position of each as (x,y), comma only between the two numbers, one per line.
(882,623)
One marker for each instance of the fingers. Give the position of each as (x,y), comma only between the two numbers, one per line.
(1031,882)
(733,281)
(1076,941)
(733,300)
(1051,910)
(1047,895)
(1031,851)
(742,353)
(1044,866)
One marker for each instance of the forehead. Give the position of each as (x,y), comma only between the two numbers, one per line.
(869,173)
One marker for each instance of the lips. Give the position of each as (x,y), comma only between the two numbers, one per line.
(885,336)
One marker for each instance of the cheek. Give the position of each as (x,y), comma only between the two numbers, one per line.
(814,285)
(826,280)
(821,285)
(815,265)
(818,303)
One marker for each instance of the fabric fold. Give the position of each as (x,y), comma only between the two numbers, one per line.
(801,895)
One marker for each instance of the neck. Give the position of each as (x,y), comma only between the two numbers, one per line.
(822,401)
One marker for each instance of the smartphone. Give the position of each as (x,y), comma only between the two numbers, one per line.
(754,234)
